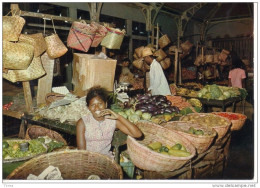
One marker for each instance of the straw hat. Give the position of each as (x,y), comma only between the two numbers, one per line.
(146,52)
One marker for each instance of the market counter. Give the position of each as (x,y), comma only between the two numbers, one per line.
(217,103)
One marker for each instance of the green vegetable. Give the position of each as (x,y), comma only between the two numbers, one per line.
(53,145)
(5,144)
(179,153)
(215,91)
(155,145)
(146,116)
(129,111)
(133,118)
(177,146)
(227,94)
(199,132)
(163,149)
(122,114)
(243,93)
(138,112)
(41,139)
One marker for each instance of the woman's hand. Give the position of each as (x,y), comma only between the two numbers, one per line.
(108,114)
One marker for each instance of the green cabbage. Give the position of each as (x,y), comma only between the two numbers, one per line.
(139,112)
(129,111)
(215,91)
(123,114)
(227,94)
(134,118)
(146,116)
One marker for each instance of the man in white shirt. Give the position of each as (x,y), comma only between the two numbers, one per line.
(158,81)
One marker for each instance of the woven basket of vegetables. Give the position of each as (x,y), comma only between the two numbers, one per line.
(160,149)
(35,131)
(238,120)
(220,124)
(73,165)
(200,136)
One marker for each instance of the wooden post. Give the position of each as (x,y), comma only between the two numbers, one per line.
(176,65)
(104,50)
(45,83)
(179,71)
(157,37)
(28,97)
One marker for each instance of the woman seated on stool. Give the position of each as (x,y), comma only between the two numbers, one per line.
(95,131)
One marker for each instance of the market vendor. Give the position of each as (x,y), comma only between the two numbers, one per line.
(126,75)
(158,81)
(95,131)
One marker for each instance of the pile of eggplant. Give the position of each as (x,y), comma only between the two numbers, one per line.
(155,105)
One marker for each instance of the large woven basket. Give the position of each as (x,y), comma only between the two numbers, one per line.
(146,159)
(17,55)
(235,124)
(36,40)
(201,142)
(113,39)
(12,27)
(34,71)
(35,131)
(221,130)
(73,165)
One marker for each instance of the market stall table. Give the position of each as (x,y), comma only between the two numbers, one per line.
(217,103)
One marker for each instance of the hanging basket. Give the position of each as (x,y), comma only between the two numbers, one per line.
(164,41)
(37,41)
(139,51)
(200,142)
(100,34)
(166,63)
(73,165)
(17,56)
(113,39)
(34,71)
(160,54)
(12,27)
(186,46)
(147,159)
(138,63)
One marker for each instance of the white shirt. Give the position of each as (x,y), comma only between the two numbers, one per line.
(158,82)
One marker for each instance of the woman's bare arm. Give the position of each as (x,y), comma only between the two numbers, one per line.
(80,135)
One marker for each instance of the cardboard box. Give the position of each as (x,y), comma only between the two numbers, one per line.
(89,71)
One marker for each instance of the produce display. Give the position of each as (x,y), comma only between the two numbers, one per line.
(14,149)
(221,92)
(209,120)
(176,150)
(231,116)
(18,149)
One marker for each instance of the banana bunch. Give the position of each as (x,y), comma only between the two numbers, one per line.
(195,102)
(192,93)
(182,91)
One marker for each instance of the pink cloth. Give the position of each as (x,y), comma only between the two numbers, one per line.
(236,76)
(99,134)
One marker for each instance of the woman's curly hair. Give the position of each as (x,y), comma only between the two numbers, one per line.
(97,91)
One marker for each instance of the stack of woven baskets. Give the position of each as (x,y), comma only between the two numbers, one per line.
(147,159)
(200,142)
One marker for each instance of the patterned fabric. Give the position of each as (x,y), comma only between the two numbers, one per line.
(236,76)
(99,134)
